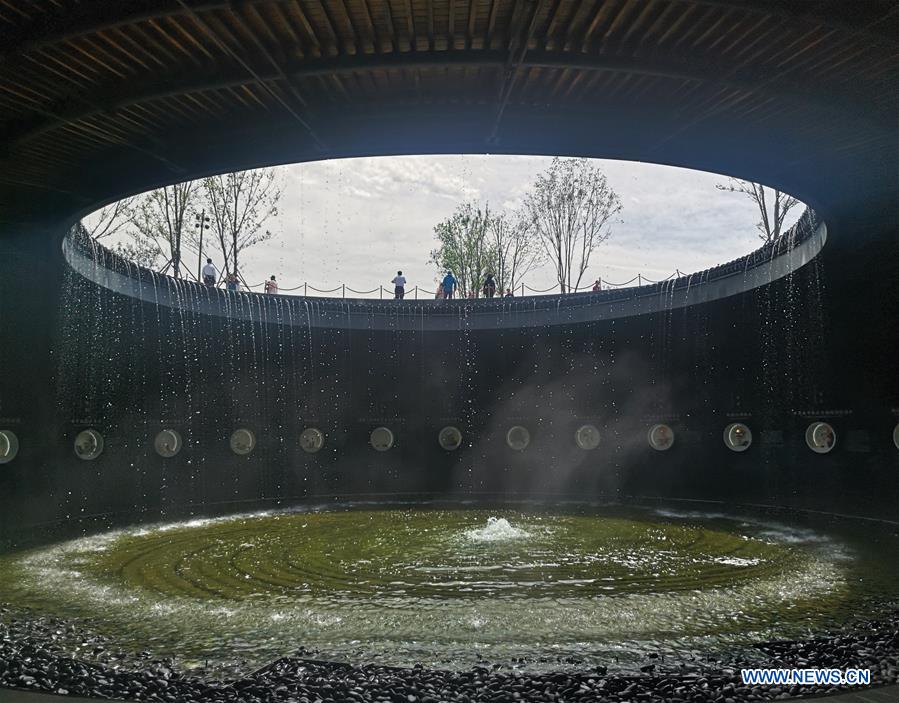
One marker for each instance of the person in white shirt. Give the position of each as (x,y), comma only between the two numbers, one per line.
(210,275)
(271,285)
(399,283)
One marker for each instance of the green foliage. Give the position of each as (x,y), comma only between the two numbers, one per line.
(474,242)
(567,214)
(464,247)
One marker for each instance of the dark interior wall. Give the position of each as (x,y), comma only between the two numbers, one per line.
(819,344)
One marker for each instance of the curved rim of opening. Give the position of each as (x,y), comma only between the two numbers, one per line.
(765,265)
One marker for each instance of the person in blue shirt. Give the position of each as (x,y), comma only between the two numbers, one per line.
(449,285)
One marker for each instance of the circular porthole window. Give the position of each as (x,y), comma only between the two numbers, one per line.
(88,444)
(737,437)
(242,441)
(896,436)
(312,439)
(820,437)
(661,437)
(167,443)
(518,438)
(450,438)
(9,446)
(381,439)
(587,437)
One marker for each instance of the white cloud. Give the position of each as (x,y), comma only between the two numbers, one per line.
(357,221)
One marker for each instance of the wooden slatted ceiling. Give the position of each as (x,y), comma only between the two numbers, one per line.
(78,77)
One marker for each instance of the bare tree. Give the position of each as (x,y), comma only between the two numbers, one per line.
(110,220)
(464,247)
(571,209)
(239,204)
(516,249)
(773,205)
(162,227)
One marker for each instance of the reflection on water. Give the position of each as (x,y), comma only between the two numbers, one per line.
(451,587)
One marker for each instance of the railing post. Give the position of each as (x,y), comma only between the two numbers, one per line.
(343,290)
(639,280)
(305,290)
(522,290)
(416,292)
(381,292)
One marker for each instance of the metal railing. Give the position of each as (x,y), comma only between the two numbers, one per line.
(520,288)
(797,234)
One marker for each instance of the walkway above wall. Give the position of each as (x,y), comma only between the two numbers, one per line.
(792,251)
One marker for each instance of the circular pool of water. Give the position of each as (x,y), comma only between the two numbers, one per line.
(454,587)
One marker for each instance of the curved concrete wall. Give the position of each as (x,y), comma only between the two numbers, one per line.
(777,357)
(757,269)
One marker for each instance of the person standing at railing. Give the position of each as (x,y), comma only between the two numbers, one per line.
(271,285)
(399,286)
(210,275)
(231,282)
(449,285)
(440,294)
(509,293)
(489,286)
(597,286)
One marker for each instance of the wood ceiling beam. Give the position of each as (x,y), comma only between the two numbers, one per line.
(135,92)
(51,29)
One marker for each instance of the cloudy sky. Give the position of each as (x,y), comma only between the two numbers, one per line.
(357,221)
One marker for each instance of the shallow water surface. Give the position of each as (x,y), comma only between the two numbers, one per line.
(450,588)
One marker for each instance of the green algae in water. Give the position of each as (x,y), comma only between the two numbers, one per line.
(442,587)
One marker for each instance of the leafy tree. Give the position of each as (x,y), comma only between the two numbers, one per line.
(773,205)
(238,205)
(465,247)
(162,227)
(571,209)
